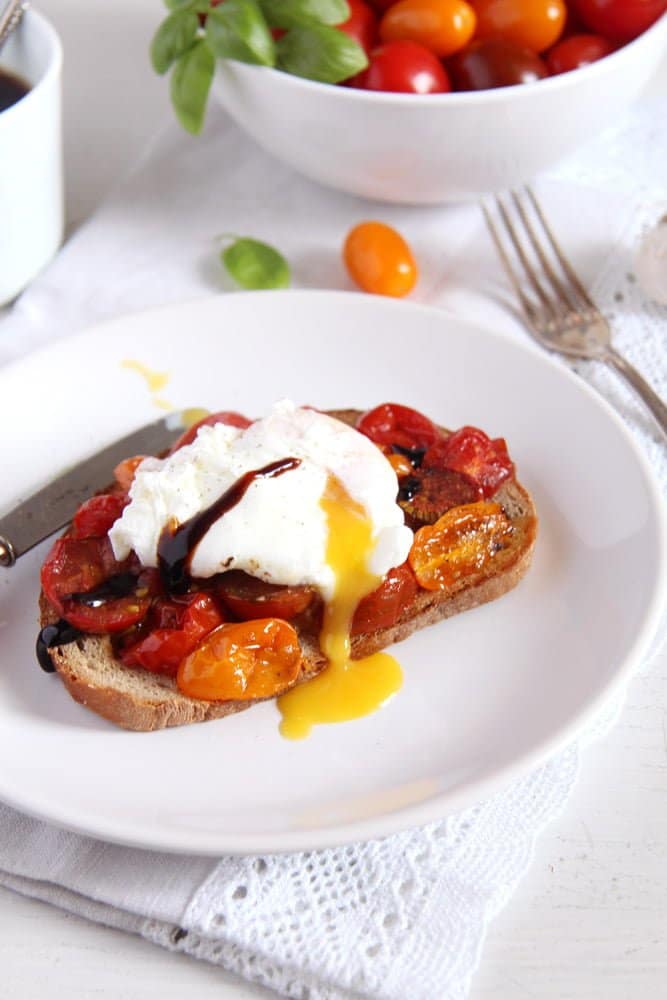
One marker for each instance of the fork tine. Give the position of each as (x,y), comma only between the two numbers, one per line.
(547,304)
(562,259)
(526,304)
(555,281)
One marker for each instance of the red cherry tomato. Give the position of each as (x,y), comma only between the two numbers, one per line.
(383,607)
(114,615)
(181,625)
(391,423)
(76,565)
(228,417)
(533,24)
(471,451)
(256,659)
(382,5)
(379,260)
(247,597)
(493,62)
(443,26)
(95,516)
(577,51)
(404,68)
(362,25)
(619,20)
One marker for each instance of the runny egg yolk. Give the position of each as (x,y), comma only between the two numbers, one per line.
(346,689)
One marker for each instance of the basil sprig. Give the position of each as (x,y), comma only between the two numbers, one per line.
(197,32)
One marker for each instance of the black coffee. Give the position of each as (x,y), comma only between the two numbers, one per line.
(12,89)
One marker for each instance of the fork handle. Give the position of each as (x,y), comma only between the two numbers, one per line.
(640,386)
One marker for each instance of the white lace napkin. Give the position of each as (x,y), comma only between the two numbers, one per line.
(406,916)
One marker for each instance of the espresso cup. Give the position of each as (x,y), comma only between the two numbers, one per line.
(31,163)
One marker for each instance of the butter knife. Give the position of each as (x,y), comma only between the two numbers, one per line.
(54,506)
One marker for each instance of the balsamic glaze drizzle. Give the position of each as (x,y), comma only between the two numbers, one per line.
(176,547)
(120,585)
(414,455)
(408,488)
(58,634)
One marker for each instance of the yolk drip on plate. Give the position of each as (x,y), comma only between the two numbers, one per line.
(346,689)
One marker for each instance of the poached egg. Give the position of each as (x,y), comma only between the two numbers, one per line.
(331,522)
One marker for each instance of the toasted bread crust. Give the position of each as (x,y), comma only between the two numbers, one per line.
(139,700)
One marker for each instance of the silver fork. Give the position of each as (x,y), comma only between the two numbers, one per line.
(561,315)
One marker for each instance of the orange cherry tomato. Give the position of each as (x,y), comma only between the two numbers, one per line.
(443,26)
(457,549)
(242,660)
(534,24)
(379,260)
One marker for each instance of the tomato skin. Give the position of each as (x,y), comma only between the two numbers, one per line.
(96,515)
(178,628)
(393,424)
(379,260)
(112,616)
(577,51)
(532,24)
(443,26)
(471,451)
(383,607)
(362,25)
(619,20)
(76,565)
(229,417)
(247,597)
(494,62)
(242,660)
(403,67)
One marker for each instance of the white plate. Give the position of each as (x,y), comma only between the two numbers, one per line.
(487,695)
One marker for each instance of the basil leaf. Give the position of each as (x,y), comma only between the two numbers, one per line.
(255,265)
(178,4)
(237,30)
(289,13)
(190,84)
(320,53)
(174,37)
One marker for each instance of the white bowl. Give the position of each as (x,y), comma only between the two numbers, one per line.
(439,147)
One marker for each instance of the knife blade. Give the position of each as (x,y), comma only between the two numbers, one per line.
(53,506)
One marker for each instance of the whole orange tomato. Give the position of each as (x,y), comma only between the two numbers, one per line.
(443,26)
(535,24)
(379,260)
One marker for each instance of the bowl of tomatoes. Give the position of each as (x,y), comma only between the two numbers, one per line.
(459,97)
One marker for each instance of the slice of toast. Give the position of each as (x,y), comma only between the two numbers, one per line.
(140,700)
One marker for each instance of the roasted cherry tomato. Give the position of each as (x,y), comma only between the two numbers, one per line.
(383,607)
(532,24)
(577,51)
(113,615)
(493,62)
(471,451)
(125,470)
(443,26)
(382,5)
(95,516)
(619,20)
(182,624)
(458,548)
(403,68)
(379,260)
(362,24)
(432,491)
(76,565)
(247,597)
(256,659)
(391,423)
(223,417)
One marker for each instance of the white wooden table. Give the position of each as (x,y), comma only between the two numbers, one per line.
(589,921)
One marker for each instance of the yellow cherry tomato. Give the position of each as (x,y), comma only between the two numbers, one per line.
(533,24)
(443,26)
(379,260)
